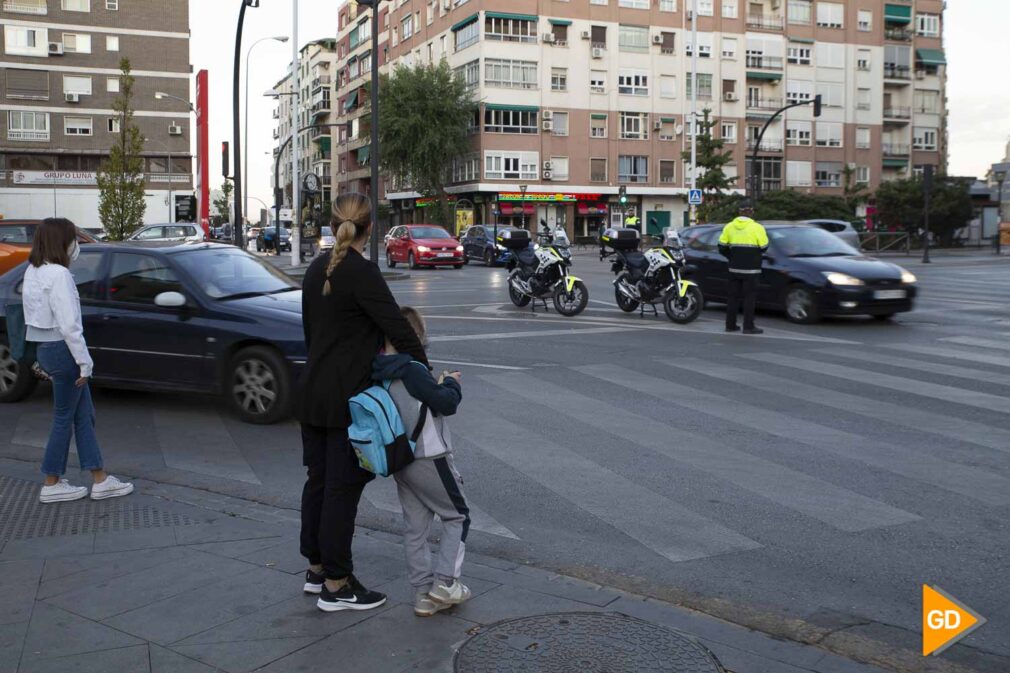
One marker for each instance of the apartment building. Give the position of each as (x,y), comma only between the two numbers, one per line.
(59,75)
(579,97)
(316,67)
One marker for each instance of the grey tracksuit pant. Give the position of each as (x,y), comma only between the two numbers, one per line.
(429,487)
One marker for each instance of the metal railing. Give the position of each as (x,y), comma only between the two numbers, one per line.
(882,241)
(26,7)
(765,22)
(893,71)
(764,103)
(898,34)
(767,145)
(898,112)
(756,62)
(895,150)
(28,136)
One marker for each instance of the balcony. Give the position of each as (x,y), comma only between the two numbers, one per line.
(761,62)
(37,7)
(764,22)
(277,114)
(901,114)
(897,72)
(898,34)
(321,81)
(892,150)
(317,133)
(770,104)
(28,136)
(767,145)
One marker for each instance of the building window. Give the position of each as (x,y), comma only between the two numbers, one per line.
(77,84)
(633,4)
(798,55)
(559,168)
(832,94)
(20,41)
(634,125)
(667,86)
(598,81)
(111,43)
(865,20)
(598,125)
(633,38)
(597,170)
(798,90)
(407,26)
(633,83)
(798,174)
(862,138)
(112,123)
(470,73)
(828,174)
(667,128)
(863,59)
(727,131)
(769,171)
(669,44)
(704,85)
(668,5)
(76,43)
(76,5)
(704,45)
(28,126)
(862,175)
(511,165)
(924,139)
(829,134)
(27,84)
(799,133)
(77,126)
(706,7)
(632,168)
(559,79)
(667,171)
(510,74)
(560,33)
(830,15)
(598,2)
(560,125)
(799,12)
(510,30)
(467,35)
(466,168)
(598,36)
(830,55)
(926,101)
(729,47)
(863,99)
(729,9)
(927,25)
(112,5)
(510,121)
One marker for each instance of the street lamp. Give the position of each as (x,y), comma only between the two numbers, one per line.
(373,249)
(245,149)
(522,203)
(236,119)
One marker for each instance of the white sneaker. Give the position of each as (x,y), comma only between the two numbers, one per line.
(62,491)
(452,594)
(111,488)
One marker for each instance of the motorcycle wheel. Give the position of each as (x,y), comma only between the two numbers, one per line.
(624,302)
(518,298)
(571,304)
(683,310)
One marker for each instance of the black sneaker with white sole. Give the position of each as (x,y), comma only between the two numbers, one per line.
(352,596)
(313,582)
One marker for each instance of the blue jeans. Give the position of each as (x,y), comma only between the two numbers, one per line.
(73,412)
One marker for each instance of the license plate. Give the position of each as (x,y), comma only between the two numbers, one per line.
(445,254)
(890,294)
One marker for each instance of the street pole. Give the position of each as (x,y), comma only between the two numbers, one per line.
(171,206)
(694,103)
(815,101)
(237,231)
(927,188)
(999,212)
(296,213)
(245,141)
(373,249)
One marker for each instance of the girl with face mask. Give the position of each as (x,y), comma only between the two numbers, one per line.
(53,320)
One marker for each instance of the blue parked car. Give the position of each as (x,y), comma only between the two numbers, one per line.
(204,318)
(479,243)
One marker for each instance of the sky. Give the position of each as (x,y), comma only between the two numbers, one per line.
(979,99)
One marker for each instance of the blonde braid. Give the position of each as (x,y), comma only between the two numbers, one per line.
(345,235)
(353,211)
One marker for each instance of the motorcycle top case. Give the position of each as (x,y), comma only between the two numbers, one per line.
(514,239)
(621,238)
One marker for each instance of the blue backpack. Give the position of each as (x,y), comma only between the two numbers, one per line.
(377,433)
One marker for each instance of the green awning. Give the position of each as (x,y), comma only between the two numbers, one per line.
(772,76)
(351,101)
(668,120)
(930,57)
(465,22)
(506,15)
(898,13)
(801,39)
(559,22)
(514,108)
(363,155)
(598,116)
(895,163)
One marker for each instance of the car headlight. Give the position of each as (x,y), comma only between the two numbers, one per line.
(908,277)
(837,278)
(459,248)
(422,248)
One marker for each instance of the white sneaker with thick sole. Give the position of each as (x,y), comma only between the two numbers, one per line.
(452,594)
(424,606)
(111,488)
(62,491)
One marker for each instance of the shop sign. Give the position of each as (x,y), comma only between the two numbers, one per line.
(426,201)
(55,178)
(543,197)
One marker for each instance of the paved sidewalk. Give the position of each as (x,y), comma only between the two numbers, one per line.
(177,580)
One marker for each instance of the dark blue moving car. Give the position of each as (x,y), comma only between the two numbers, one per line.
(479,243)
(205,318)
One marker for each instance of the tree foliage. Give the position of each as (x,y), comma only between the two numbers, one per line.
(900,205)
(120,177)
(423,125)
(786,204)
(710,162)
(223,203)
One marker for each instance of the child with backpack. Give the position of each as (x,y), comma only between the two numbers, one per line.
(429,485)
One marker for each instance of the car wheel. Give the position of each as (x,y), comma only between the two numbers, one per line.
(466,258)
(411,260)
(16,379)
(801,305)
(458,266)
(389,260)
(258,385)
(489,258)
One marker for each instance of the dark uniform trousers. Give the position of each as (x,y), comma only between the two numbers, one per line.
(742,286)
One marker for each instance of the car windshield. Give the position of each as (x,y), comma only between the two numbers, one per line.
(429,232)
(17,233)
(230,273)
(809,242)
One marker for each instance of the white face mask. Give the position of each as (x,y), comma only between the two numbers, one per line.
(74,251)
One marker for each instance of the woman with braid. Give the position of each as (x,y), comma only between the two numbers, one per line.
(348,312)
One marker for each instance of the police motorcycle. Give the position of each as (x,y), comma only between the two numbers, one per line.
(540,272)
(651,277)
(558,238)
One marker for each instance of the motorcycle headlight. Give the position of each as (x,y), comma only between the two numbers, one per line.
(459,248)
(499,247)
(843,279)
(422,248)
(908,277)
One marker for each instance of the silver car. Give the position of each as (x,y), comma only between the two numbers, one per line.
(840,228)
(184,232)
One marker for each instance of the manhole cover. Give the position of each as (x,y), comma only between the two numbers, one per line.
(22,516)
(583,642)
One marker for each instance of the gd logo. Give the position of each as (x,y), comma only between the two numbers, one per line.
(945,620)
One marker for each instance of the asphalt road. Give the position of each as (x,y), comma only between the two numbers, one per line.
(815,474)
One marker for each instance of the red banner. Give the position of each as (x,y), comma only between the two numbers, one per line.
(202,154)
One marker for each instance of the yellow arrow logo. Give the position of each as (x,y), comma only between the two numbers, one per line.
(945,620)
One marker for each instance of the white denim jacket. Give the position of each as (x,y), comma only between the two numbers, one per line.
(53,308)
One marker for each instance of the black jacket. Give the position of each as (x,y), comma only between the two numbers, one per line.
(343,333)
(442,398)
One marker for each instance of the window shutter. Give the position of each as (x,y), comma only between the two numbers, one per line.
(31,84)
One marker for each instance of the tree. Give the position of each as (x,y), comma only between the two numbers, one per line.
(120,177)
(900,205)
(424,119)
(711,159)
(785,204)
(223,202)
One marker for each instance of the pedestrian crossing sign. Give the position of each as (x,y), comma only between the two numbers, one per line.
(694,197)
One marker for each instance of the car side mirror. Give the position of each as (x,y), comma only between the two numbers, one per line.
(170,300)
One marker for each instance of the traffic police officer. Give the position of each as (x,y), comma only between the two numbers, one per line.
(743,243)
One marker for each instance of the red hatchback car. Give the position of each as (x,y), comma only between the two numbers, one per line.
(418,245)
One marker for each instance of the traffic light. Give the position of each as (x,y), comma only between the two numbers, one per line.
(225,169)
(622,195)
(817,105)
